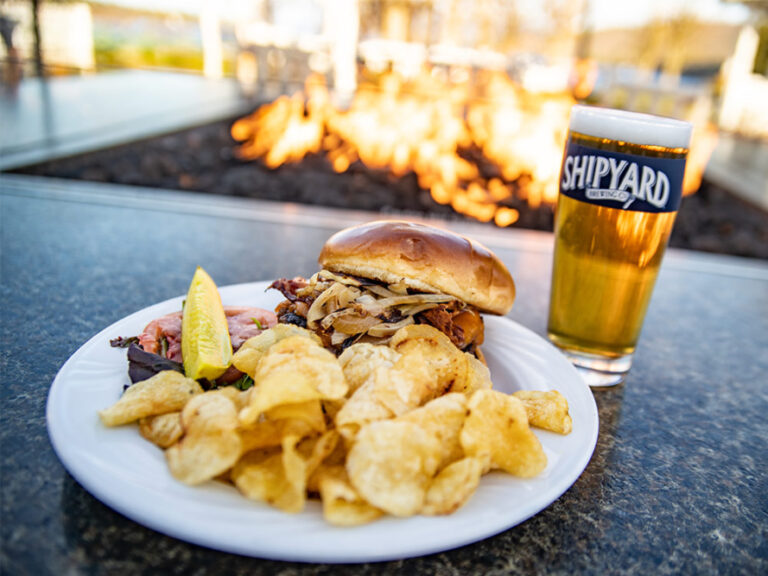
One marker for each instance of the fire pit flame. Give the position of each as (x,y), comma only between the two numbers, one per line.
(476,147)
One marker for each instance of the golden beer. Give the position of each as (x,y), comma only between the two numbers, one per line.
(617,205)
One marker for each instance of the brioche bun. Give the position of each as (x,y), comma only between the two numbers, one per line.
(426,258)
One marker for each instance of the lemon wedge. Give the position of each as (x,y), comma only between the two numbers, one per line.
(206,349)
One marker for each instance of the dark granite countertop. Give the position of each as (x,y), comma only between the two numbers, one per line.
(677,483)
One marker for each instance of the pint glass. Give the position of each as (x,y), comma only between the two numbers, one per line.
(620,189)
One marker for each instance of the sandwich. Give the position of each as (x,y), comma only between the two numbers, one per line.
(378,277)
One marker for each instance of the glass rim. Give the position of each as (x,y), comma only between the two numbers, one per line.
(633,127)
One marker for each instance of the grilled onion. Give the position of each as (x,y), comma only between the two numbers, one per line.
(349,321)
(387,329)
(347,309)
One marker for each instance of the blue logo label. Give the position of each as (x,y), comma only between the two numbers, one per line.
(623,181)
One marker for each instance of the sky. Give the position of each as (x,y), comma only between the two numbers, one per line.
(603,13)
(625,13)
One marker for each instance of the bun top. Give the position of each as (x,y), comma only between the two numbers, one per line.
(426,258)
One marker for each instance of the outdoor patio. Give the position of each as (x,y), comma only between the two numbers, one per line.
(239,141)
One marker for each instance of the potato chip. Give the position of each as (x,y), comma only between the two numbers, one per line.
(332,407)
(477,377)
(296,473)
(164,392)
(315,451)
(391,465)
(406,385)
(320,449)
(439,353)
(162,430)
(247,357)
(337,456)
(277,478)
(239,397)
(453,487)
(547,410)
(402,429)
(296,369)
(361,409)
(310,412)
(210,444)
(496,431)
(359,361)
(259,476)
(270,433)
(262,434)
(342,505)
(443,419)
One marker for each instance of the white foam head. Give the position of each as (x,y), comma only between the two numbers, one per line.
(631,127)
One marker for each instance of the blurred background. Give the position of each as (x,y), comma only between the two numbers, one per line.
(456,106)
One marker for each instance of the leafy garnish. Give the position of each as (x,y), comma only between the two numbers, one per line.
(121,342)
(143,365)
(258,324)
(243,383)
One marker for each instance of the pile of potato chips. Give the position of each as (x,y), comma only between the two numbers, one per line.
(405,428)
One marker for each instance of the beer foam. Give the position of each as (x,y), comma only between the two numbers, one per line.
(633,127)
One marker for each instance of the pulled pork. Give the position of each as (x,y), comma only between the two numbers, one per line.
(344,309)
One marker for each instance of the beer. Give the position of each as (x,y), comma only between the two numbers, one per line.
(620,188)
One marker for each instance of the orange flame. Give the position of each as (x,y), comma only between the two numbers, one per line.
(428,127)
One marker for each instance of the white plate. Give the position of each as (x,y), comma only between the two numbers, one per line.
(129,474)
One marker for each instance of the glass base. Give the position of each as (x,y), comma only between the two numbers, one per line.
(599,371)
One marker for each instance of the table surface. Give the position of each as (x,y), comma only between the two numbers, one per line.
(677,483)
